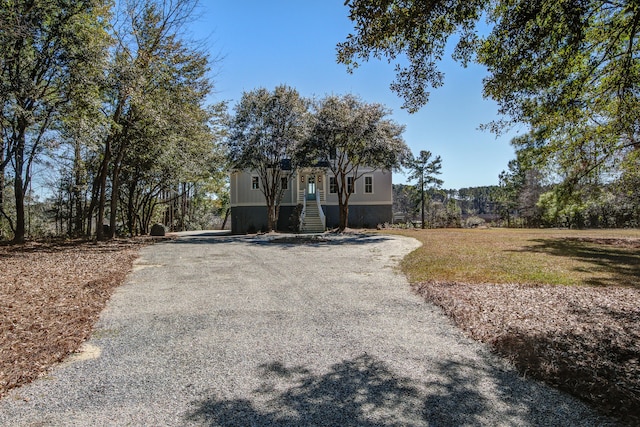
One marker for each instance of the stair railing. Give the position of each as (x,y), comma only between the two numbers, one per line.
(320,211)
(302,196)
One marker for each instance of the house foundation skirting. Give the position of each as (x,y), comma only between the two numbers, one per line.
(360,216)
(252,219)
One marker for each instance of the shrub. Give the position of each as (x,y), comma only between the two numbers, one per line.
(473,222)
(157,230)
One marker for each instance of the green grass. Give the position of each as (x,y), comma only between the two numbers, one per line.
(559,257)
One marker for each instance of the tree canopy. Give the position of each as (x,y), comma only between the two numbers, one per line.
(112,100)
(265,132)
(353,137)
(155,99)
(569,69)
(47,53)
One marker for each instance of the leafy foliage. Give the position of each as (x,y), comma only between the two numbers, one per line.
(352,137)
(265,133)
(158,84)
(116,102)
(419,30)
(47,53)
(569,69)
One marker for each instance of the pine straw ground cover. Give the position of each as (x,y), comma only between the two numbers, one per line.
(50,297)
(564,306)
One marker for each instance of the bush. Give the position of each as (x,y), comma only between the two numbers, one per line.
(157,230)
(294,219)
(474,222)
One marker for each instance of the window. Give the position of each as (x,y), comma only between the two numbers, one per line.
(350,188)
(333,185)
(284,182)
(255,183)
(368,184)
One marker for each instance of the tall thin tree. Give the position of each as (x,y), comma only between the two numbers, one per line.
(155,77)
(424,169)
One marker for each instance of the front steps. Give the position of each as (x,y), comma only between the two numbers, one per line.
(312,223)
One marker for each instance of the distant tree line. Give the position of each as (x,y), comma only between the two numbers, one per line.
(524,198)
(445,208)
(110,103)
(541,196)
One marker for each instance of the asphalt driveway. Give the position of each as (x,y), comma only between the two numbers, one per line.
(266,330)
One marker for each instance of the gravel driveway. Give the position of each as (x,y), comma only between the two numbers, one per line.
(258,331)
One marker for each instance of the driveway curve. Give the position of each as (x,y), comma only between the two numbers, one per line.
(278,331)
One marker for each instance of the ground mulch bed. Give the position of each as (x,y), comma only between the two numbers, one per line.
(51,294)
(582,339)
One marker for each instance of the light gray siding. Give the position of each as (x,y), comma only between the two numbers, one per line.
(366,210)
(242,193)
(382,190)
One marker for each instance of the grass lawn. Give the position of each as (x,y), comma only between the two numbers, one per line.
(562,305)
(558,257)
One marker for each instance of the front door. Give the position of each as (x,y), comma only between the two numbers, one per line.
(311,187)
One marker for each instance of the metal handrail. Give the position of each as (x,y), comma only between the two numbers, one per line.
(320,211)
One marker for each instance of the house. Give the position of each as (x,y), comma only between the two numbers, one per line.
(310,201)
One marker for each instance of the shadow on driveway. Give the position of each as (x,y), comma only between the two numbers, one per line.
(284,240)
(365,392)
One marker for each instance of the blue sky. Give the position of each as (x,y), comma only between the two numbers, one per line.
(268,43)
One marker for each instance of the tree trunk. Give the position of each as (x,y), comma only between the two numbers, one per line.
(226,217)
(1,183)
(77,193)
(272,214)
(269,218)
(131,208)
(149,206)
(422,202)
(93,203)
(102,182)
(115,190)
(18,188)
(20,231)
(183,207)
(270,198)
(343,209)
(104,169)
(343,204)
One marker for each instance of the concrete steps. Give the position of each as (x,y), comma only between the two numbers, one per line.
(312,222)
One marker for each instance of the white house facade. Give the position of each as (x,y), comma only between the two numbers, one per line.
(310,201)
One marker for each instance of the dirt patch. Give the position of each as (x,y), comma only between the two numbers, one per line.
(582,339)
(51,294)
